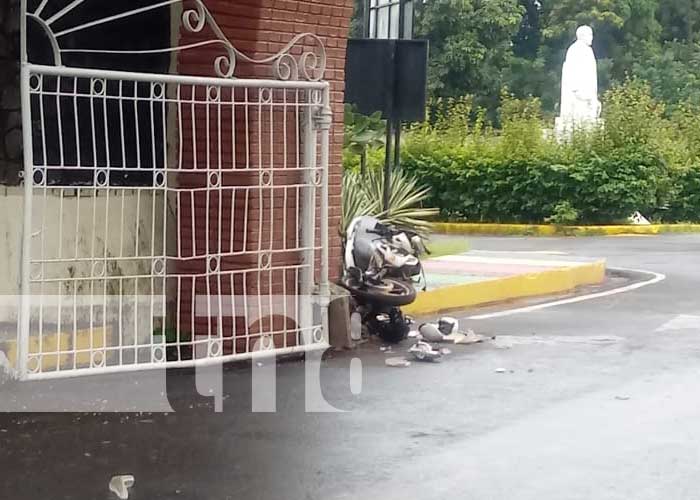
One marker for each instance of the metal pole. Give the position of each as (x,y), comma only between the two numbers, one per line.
(366,17)
(25,290)
(387,164)
(326,121)
(402,17)
(397,144)
(308,221)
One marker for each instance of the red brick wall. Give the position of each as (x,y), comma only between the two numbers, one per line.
(261,28)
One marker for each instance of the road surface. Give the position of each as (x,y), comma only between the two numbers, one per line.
(599,400)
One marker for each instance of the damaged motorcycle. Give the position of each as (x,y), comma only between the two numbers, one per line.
(381,268)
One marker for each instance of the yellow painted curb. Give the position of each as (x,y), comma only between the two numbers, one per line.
(53,355)
(547,282)
(551,230)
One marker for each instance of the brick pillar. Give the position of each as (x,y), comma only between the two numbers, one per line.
(258,28)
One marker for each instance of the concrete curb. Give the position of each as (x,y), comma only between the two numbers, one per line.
(550,281)
(552,230)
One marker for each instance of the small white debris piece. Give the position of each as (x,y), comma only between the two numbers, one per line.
(468,337)
(413,334)
(431,333)
(501,370)
(422,351)
(623,398)
(448,325)
(119,485)
(397,362)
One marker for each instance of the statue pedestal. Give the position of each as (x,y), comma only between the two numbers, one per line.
(564,128)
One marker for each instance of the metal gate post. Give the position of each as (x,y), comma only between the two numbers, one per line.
(27,154)
(308,221)
(324,120)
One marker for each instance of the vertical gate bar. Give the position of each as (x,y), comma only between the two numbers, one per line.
(325,157)
(25,291)
(308,216)
(324,122)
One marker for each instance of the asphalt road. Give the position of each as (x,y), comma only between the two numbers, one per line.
(599,400)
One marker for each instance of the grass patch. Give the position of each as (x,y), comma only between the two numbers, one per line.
(445,245)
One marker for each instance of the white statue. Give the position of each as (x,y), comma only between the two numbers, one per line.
(580,107)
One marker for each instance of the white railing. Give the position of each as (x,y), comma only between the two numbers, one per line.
(168,219)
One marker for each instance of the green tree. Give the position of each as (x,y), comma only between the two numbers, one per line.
(680,19)
(470,45)
(672,70)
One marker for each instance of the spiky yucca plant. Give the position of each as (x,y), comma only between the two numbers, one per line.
(363,196)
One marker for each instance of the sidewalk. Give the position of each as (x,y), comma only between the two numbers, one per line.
(478,278)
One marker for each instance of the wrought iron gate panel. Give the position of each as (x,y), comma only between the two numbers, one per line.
(170,219)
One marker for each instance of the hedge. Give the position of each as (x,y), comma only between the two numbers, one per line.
(599,189)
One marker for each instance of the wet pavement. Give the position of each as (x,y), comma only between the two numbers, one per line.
(589,400)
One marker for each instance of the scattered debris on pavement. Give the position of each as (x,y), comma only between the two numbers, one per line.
(447,330)
(501,370)
(430,332)
(119,485)
(423,351)
(465,338)
(397,362)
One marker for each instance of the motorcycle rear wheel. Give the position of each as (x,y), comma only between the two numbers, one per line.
(392,292)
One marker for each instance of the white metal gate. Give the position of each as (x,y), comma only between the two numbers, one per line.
(170,219)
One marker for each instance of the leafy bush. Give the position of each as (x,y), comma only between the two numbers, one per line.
(601,190)
(564,214)
(641,160)
(362,134)
(684,204)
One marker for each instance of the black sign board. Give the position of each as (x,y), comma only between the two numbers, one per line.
(388,76)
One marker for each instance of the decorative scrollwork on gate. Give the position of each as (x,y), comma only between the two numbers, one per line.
(303,58)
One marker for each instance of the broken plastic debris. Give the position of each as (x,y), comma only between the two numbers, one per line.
(431,333)
(468,337)
(423,351)
(501,370)
(119,485)
(448,325)
(397,362)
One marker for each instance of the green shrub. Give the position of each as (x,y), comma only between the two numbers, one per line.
(644,158)
(600,190)
(564,214)
(684,203)
(640,160)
